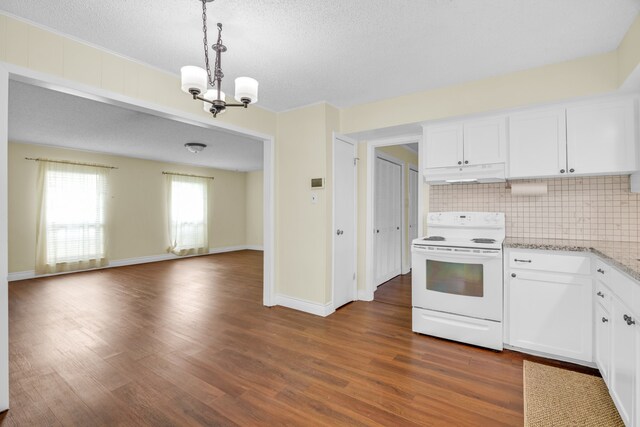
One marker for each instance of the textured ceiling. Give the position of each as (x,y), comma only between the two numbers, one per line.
(345,52)
(42,116)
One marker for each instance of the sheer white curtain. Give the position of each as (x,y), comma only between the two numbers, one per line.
(71,233)
(188,214)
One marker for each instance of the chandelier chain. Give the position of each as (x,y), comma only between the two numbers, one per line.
(206,42)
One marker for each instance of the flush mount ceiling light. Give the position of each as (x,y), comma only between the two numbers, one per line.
(195,147)
(205,86)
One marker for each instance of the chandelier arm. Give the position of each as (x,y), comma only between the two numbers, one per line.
(206,42)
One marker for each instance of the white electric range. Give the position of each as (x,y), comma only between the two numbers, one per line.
(457,278)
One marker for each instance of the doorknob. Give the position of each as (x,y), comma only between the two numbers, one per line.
(339,232)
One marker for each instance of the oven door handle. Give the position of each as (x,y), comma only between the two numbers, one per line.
(459,257)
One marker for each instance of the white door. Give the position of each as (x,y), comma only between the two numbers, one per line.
(413,206)
(485,141)
(344,233)
(388,220)
(601,138)
(538,143)
(443,146)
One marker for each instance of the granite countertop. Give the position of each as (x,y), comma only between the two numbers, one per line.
(623,255)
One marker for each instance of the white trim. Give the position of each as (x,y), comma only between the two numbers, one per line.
(369,226)
(365,295)
(31,274)
(254,247)
(550,356)
(354,143)
(307,306)
(4,243)
(39,79)
(410,149)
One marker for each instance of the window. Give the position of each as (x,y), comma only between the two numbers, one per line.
(188,225)
(71,233)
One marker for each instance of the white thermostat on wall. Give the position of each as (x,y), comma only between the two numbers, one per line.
(317,182)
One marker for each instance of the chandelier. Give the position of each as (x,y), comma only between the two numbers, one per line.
(205,86)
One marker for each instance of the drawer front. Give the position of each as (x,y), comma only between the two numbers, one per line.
(602,294)
(550,261)
(621,285)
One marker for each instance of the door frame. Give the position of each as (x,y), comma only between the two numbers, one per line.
(403,189)
(366,294)
(354,143)
(415,168)
(9,72)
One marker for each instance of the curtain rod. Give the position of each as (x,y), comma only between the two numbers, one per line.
(68,162)
(187,174)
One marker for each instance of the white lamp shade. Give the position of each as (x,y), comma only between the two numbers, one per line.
(246,87)
(193,78)
(212,94)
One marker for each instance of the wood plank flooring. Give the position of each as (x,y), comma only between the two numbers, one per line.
(188,342)
(396,291)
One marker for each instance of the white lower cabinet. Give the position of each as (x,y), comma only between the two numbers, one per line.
(550,309)
(618,340)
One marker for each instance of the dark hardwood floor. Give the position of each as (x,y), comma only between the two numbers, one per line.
(396,291)
(188,342)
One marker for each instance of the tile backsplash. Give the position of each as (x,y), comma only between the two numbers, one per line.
(589,208)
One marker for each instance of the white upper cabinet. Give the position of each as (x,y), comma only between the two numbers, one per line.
(601,137)
(473,142)
(484,141)
(537,143)
(444,146)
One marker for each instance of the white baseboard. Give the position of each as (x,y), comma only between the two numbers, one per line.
(30,274)
(304,305)
(550,356)
(365,295)
(255,247)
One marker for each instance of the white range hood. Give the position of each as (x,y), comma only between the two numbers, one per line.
(482,174)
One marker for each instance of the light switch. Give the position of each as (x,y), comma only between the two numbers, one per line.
(314,197)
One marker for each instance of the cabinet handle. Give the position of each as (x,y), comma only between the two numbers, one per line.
(522,260)
(572,170)
(605,320)
(561,170)
(397,228)
(601,271)
(466,162)
(377,231)
(513,274)
(629,320)
(459,162)
(600,294)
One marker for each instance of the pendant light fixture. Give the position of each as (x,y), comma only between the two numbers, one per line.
(205,86)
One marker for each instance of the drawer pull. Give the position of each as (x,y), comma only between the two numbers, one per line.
(513,274)
(601,271)
(600,294)
(605,320)
(522,260)
(629,320)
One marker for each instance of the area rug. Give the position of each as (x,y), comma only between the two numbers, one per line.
(559,397)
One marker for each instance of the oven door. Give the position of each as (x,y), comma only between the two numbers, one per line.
(461,281)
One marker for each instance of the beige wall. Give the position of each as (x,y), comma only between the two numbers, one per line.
(137,205)
(303,228)
(408,158)
(255,216)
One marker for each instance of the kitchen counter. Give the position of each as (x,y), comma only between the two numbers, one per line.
(623,255)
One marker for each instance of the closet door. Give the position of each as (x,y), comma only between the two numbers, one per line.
(388,220)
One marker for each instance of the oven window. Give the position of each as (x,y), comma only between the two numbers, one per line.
(455,278)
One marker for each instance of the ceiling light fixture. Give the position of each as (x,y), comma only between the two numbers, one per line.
(197,81)
(195,147)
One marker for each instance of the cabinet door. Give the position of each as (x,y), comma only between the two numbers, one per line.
(603,341)
(485,141)
(551,313)
(601,137)
(443,146)
(623,359)
(537,143)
